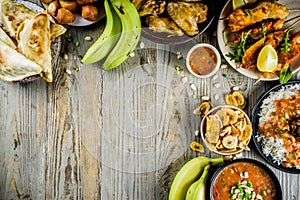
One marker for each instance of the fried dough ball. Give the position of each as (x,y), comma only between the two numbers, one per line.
(89,12)
(84,2)
(64,16)
(70,5)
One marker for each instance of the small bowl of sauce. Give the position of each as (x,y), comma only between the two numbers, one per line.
(203,60)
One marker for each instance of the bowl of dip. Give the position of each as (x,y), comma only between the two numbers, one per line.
(243,179)
(203,60)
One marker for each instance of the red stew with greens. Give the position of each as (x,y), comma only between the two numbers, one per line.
(242,180)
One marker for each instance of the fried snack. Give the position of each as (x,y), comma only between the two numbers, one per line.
(163,24)
(196,146)
(235,99)
(34,42)
(227,131)
(89,12)
(84,2)
(188,15)
(53,7)
(69,5)
(250,57)
(286,58)
(259,29)
(46,1)
(151,7)
(212,129)
(203,108)
(64,16)
(241,18)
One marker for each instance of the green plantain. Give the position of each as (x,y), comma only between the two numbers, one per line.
(188,174)
(107,39)
(197,190)
(130,35)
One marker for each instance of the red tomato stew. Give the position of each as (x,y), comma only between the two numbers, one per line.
(243,180)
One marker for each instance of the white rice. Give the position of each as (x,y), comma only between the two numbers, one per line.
(274,147)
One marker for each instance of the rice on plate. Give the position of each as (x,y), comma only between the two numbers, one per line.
(278,125)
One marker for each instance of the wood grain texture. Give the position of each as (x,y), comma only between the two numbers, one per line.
(119,134)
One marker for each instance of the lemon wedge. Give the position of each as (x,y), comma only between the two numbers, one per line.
(267,59)
(239,3)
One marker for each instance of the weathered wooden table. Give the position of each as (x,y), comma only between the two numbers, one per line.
(119,134)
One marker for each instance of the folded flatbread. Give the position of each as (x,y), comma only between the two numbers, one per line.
(6,39)
(33,38)
(15,66)
(12,14)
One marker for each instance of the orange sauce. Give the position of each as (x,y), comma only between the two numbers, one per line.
(203,60)
(278,125)
(230,176)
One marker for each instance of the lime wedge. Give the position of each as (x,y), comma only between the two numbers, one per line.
(267,59)
(239,3)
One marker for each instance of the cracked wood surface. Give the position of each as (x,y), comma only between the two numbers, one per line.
(119,134)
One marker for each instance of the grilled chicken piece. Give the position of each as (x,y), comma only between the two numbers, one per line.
(152,7)
(187,15)
(284,59)
(242,18)
(163,24)
(251,54)
(258,30)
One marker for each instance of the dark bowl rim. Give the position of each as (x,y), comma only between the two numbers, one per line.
(254,120)
(215,171)
(162,38)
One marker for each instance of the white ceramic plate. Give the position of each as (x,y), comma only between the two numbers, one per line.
(254,73)
(80,21)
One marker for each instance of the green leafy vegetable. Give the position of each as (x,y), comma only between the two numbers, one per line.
(285,46)
(240,48)
(285,75)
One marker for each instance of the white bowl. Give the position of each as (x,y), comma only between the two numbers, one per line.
(216,55)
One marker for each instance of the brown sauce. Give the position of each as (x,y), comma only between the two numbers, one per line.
(230,176)
(203,60)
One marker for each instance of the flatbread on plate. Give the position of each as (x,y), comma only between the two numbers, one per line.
(12,14)
(15,66)
(6,39)
(33,38)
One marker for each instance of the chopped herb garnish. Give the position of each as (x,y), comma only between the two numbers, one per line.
(263,29)
(232,189)
(240,48)
(249,184)
(77,44)
(285,75)
(247,12)
(264,193)
(282,119)
(224,75)
(178,68)
(285,46)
